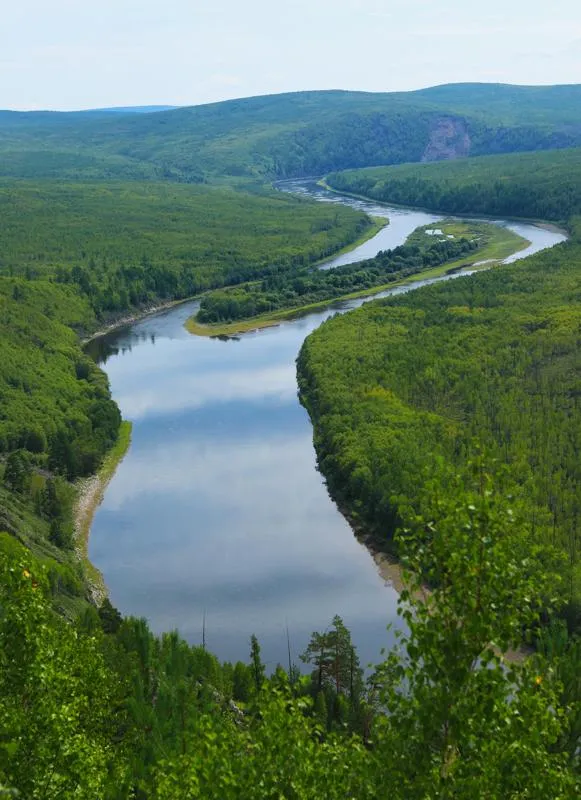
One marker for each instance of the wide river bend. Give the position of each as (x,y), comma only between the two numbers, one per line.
(218,509)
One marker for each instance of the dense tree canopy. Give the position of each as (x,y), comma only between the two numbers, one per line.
(488,362)
(76,255)
(537,185)
(447,420)
(104,710)
(125,245)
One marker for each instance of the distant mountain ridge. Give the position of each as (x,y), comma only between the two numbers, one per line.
(291,134)
(128,110)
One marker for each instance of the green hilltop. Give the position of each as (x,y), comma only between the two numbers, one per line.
(293,134)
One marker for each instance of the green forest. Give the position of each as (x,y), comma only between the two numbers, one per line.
(446,424)
(535,185)
(126,245)
(101,709)
(487,364)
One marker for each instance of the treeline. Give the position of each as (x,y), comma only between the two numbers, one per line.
(57,421)
(534,185)
(353,140)
(301,288)
(104,710)
(407,135)
(488,363)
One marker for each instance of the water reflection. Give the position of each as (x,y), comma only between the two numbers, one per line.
(218,507)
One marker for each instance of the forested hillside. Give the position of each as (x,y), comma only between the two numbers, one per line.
(303,133)
(536,185)
(124,245)
(446,423)
(57,421)
(489,364)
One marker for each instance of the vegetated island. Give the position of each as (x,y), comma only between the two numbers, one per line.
(429,252)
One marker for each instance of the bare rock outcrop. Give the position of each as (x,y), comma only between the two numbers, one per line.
(449,138)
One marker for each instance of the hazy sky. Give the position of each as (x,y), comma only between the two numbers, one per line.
(88,53)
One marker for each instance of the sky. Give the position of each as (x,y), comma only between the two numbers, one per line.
(70,54)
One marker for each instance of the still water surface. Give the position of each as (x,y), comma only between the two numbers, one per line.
(218,507)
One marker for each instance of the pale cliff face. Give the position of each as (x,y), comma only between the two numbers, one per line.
(449,138)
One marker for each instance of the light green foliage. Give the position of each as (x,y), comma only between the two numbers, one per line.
(277,755)
(57,415)
(29,537)
(402,395)
(459,721)
(54,399)
(74,253)
(55,698)
(536,185)
(488,361)
(131,715)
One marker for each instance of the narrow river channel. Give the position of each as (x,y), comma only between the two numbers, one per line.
(218,508)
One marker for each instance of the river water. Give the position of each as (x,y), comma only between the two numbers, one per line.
(218,510)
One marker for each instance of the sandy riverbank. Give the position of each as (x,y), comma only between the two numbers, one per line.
(90,493)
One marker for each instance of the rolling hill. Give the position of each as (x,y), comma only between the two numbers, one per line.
(289,135)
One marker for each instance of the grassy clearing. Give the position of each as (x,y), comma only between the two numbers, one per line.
(497,243)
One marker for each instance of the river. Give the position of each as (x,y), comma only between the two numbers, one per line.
(218,510)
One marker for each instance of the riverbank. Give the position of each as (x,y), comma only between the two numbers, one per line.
(553,227)
(391,571)
(90,493)
(136,316)
(213,414)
